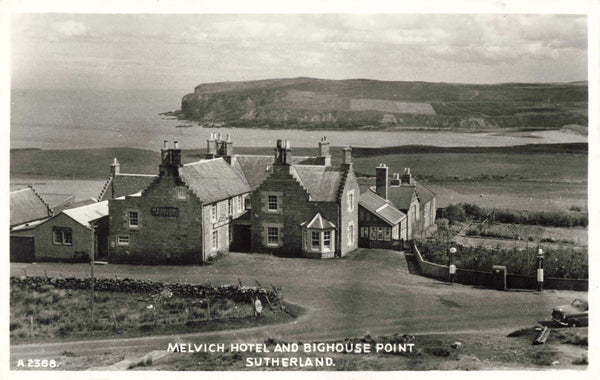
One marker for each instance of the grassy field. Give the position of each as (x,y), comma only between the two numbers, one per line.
(59,314)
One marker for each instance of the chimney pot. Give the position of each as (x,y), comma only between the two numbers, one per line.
(165,142)
(229,137)
(176,144)
(219,136)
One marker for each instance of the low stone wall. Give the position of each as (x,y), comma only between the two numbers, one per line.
(126,285)
(471,277)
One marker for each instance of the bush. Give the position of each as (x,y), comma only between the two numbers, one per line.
(455,213)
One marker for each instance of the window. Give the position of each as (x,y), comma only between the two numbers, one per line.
(305,238)
(230,206)
(272,203)
(213,212)
(272,236)
(215,239)
(239,202)
(387,233)
(379,233)
(122,240)
(133,219)
(364,232)
(350,234)
(181,193)
(62,236)
(373,233)
(315,241)
(230,232)
(327,239)
(351,200)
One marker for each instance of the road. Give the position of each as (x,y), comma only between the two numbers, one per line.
(370,292)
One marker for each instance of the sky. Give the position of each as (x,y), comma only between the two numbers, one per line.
(138,51)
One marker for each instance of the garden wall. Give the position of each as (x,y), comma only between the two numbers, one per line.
(233,292)
(471,277)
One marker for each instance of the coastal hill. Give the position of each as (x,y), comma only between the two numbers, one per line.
(308,103)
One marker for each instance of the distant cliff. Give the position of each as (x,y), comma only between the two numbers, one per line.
(309,103)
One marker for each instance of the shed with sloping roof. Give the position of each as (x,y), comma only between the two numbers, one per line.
(71,235)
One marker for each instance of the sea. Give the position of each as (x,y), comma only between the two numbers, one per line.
(97,118)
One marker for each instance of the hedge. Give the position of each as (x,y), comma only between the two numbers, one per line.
(126,285)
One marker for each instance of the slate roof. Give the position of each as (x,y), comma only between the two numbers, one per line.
(213,180)
(85,214)
(318,223)
(401,196)
(26,205)
(385,210)
(321,182)
(255,169)
(125,184)
(58,202)
(425,195)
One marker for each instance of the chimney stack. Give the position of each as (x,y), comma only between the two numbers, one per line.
(324,154)
(407,177)
(381,181)
(395,181)
(115,168)
(211,146)
(282,151)
(347,156)
(170,160)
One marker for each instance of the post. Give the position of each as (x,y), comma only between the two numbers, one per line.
(540,269)
(92,254)
(451,266)
(476,267)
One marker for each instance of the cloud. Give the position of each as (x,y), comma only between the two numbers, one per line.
(70,28)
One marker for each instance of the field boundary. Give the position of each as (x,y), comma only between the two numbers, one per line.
(480,278)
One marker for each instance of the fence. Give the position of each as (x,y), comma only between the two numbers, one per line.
(471,277)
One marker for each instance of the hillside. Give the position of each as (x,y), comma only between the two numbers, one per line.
(308,103)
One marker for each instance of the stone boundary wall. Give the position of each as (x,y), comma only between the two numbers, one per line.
(471,277)
(126,285)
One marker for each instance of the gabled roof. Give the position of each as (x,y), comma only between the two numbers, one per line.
(255,169)
(425,195)
(401,196)
(85,214)
(378,206)
(321,182)
(58,202)
(26,205)
(125,184)
(318,223)
(213,180)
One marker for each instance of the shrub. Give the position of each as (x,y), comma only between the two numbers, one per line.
(455,213)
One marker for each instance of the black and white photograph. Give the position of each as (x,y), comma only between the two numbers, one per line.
(368,190)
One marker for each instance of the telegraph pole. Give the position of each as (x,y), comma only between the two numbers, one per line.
(540,269)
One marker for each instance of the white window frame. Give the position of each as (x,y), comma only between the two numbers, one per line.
(214,212)
(269,203)
(312,240)
(351,233)
(276,236)
(132,218)
(122,240)
(327,247)
(215,239)
(350,200)
(181,192)
(59,237)
(230,206)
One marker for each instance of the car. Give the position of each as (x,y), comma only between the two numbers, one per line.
(575,314)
